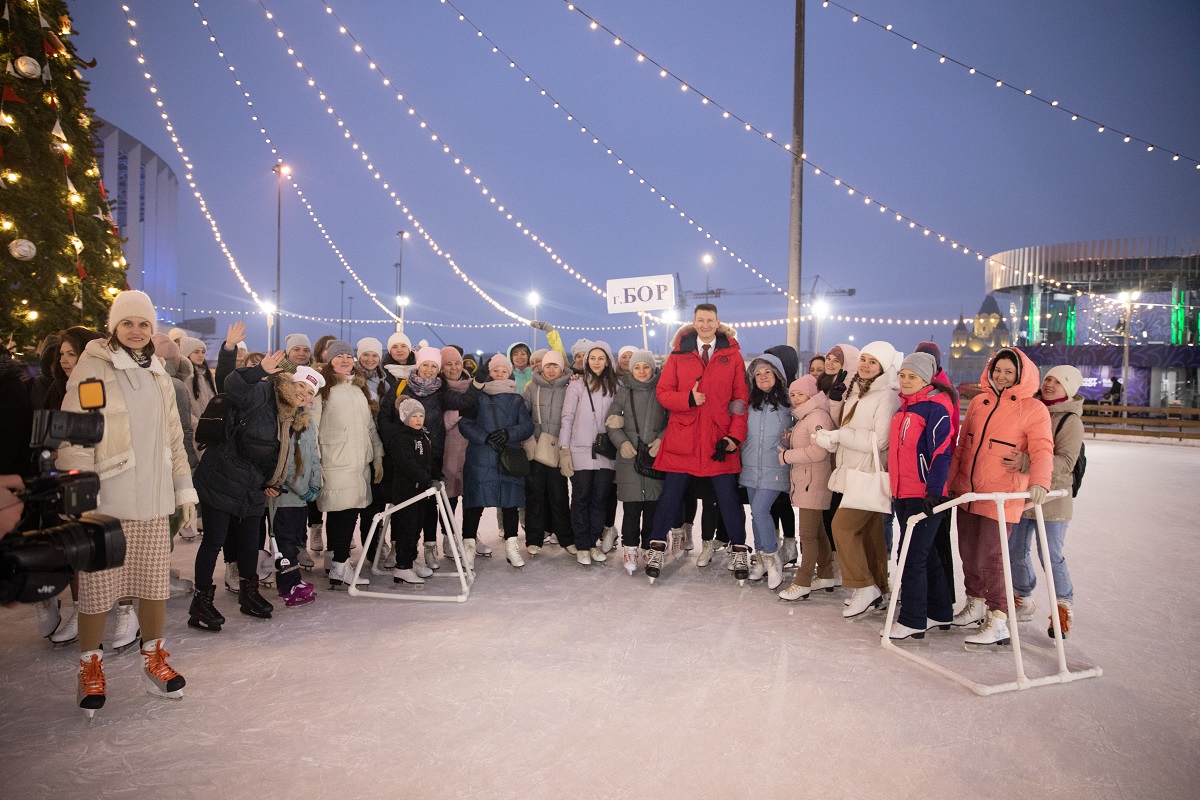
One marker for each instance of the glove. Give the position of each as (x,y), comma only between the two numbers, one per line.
(615,422)
(827,439)
(438,485)
(378,469)
(932,500)
(310,495)
(187,515)
(657,443)
(720,451)
(497,439)
(1037,495)
(565,465)
(627,450)
(838,390)
(540,324)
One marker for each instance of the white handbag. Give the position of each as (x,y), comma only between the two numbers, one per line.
(867,491)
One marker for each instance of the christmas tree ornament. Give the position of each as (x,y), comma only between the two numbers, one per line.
(22,249)
(27,67)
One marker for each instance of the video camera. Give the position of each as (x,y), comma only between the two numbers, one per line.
(58,534)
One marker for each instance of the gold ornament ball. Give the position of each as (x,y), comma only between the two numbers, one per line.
(22,249)
(27,67)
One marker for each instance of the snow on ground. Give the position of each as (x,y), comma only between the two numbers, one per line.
(559,681)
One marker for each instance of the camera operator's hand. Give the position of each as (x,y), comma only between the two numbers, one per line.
(270,363)
(187,515)
(11,506)
(235,335)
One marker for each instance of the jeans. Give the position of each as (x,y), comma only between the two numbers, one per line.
(589,501)
(290,525)
(1024,580)
(923,594)
(728,500)
(218,526)
(761,521)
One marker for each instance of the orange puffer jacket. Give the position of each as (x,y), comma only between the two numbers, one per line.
(997,423)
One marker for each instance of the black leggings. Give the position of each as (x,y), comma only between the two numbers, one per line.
(784,516)
(638,523)
(471,517)
(218,527)
(339,532)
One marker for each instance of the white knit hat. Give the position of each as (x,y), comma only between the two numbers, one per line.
(175,334)
(188,345)
(132,303)
(1070,377)
(883,352)
(399,338)
(369,344)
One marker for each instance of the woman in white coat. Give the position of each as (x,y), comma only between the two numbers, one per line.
(865,420)
(144,477)
(351,454)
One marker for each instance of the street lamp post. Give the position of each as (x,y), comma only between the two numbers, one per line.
(820,310)
(402,235)
(280,170)
(350,318)
(534,298)
(342,311)
(1127,298)
(401,303)
(707,259)
(183,311)
(269,310)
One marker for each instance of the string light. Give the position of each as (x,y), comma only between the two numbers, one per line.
(1024,92)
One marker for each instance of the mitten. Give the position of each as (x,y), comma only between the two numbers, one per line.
(627,450)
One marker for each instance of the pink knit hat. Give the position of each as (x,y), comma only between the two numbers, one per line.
(429,354)
(452,353)
(806,384)
(502,359)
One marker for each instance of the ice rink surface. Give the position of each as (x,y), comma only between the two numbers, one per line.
(558,681)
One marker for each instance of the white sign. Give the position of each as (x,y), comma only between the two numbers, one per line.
(650,293)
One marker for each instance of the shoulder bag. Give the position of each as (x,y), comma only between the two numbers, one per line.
(542,448)
(513,461)
(867,491)
(643,462)
(602,446)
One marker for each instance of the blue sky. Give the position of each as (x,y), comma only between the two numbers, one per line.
(985,166)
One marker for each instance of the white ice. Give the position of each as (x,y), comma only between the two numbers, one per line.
(560,681)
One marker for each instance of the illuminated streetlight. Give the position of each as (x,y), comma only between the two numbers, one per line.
(707,260)
(268,309)
(820,310)
(534,299)
(402,303)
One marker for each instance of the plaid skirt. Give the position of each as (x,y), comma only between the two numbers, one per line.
(146,573)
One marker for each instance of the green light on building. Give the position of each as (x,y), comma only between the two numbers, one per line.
(1070,333)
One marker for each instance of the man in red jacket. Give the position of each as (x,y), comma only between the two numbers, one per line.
(703,387)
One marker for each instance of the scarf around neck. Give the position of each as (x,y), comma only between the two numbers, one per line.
(423,387)
(506,386)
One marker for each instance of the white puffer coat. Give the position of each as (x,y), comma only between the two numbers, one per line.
(864,418)
(350,446)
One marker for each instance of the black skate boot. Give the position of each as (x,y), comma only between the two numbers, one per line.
(251,602)
(741,563)
(203,614)
(654,559)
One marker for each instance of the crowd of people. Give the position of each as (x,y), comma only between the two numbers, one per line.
(279,459)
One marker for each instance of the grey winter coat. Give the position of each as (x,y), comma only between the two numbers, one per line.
(483,484)
(184,403)
(544,399)
(637,401)
(1067,443)
(764,436)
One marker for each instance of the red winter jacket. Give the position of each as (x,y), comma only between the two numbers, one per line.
(921,445)
(693,431)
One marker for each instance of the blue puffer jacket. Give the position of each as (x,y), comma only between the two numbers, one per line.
(308,478)
(483,485)
(764,435)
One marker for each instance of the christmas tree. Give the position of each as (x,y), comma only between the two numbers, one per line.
(59,248)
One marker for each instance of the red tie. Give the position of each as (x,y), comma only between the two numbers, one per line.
(705,354)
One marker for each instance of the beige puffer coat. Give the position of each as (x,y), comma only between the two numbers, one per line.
(350,446)
(1067,443)
(862,419)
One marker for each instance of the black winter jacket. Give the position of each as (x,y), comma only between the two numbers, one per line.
(412,462)
(225,480)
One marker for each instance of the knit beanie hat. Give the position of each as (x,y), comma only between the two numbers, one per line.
(539,354)
(806,384)
(553,357)
(501,359)
(580,346)
(922,364)
(337,348)
(450,352)
(188,345)
(242,346)
(626,349)
(429,354)
(164,347)
(640,357)
(310,376)
(933,350)
(408,406)
(175,334)
(607,351)
(1070,378)
(884,353)
(369,344)
(398,338)
(132,303)
(295,340)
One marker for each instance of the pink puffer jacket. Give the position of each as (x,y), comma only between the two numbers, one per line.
(811,463)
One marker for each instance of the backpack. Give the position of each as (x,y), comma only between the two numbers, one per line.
(211,428)
(1080,462)
(221,422)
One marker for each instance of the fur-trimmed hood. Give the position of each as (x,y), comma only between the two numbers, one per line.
(689,329)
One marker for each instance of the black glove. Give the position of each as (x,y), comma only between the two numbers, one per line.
(720,451)
(932,500)
(497,439)
(838,390)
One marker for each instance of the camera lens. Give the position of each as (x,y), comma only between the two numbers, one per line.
(93,543)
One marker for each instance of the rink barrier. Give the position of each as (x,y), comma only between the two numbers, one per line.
(381,523)
(1065,673)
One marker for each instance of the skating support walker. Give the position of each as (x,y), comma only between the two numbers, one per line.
(382,523)
(1065,674)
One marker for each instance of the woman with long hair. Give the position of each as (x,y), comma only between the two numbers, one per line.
(762,475)
(144,477)
(201,384)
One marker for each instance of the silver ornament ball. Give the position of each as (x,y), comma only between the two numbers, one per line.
(22,249)
(27,67)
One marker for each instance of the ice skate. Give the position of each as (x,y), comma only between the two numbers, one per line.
(468,554)
(598,555)
(827,584)
(180,586)
(583,558)
(688,545)
(127,632)
(431,556)
(758,567)
(902,634)
(991,636)
(933,624)
(90,694)
(301,594)
(533,549)
(68,627)
(707,548)
(675,537)
(203,614)
(788,555)
(250,602)
(654,560)
(608,540)
(862,601)
(482,549)
(774,570)
(316,537)
(1065,617)
(232,577)
(159,678)
(512,552)
(389,561)
(629,558)
(571,549)
(342,572)
(1025,608)
(305,560)
(421,570)
(972,613)
(740,563)
(795,592)
(48,617)
(407,578)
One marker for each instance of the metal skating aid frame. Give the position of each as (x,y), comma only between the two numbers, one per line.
(382,521)
(1065,674)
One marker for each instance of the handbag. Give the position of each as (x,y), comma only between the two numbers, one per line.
(643,462)
(867,491)
(543,448)
(513,461)
(602,446)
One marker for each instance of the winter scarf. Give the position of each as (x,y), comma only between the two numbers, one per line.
(423,387)
(506,386)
